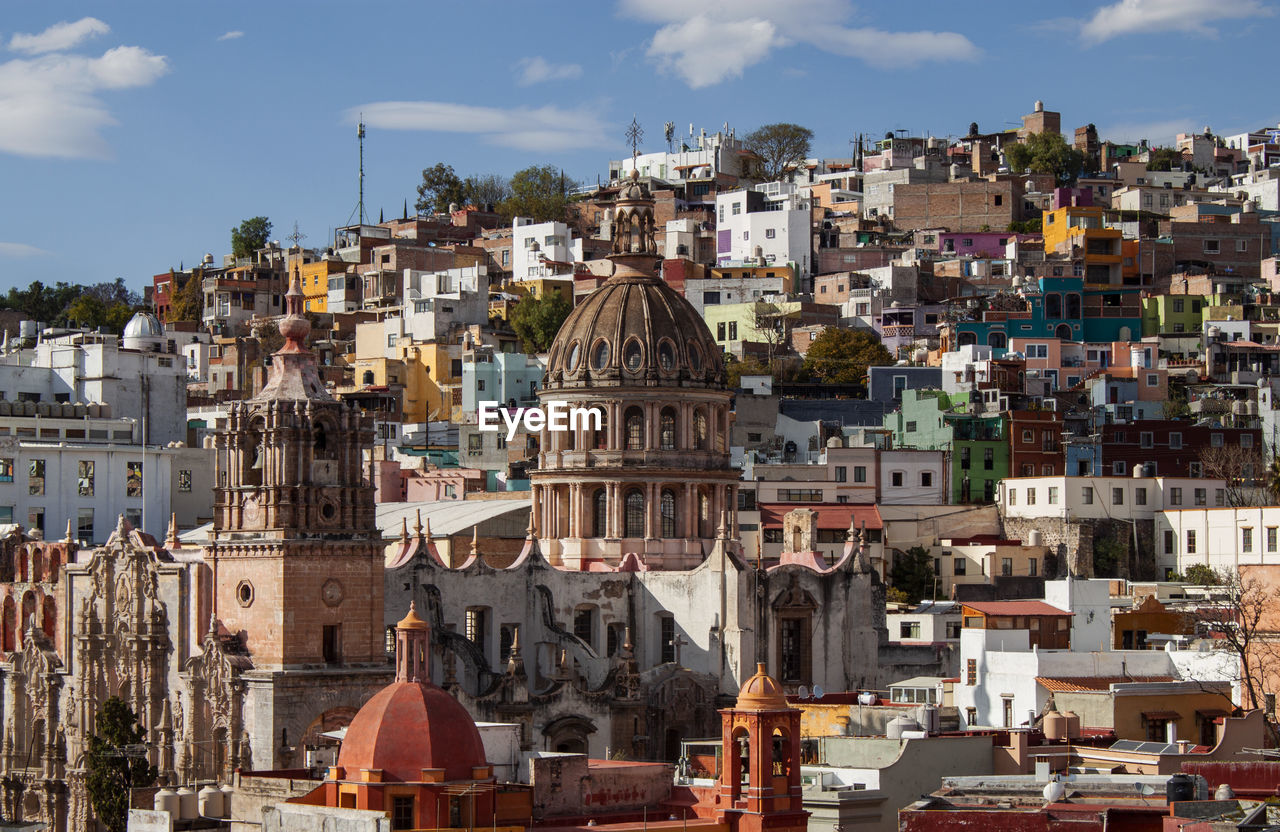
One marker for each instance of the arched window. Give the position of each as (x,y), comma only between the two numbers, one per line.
(1053,305)
(704,516)
(602,435)
(635,513)
(1073,305)
(1063,331)
(635,429)
(997,340)
(667,430)
(368,376)
(600,513)
(667,509)
(700,430)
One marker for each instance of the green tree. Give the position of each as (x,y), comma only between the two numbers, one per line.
(116,763)
(779,148)
(486,189)
(540,192)
(252,235)
(1163,158)
(842,356)
(1202,575)
(749,366)
(440,186)
(537,320)
(1046,153)
(912,574)
(1108,555)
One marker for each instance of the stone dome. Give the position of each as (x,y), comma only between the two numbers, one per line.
(143,325)
(761,693)
(635,330)
(408,726)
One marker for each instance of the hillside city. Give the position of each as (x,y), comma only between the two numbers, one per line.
(931,487)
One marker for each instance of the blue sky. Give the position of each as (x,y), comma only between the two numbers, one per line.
(134,135)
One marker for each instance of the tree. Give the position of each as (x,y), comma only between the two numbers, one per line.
(912,573)
(1201,575)
(540,192)
(537,320)
(1046,153)
(1163,158)
(486,189)
(1273,478)
(116,763)
(772,325)
(440,186)
(749,366)
(187,303)
(842,356)
(779,147)
(252,235)
(1244,470)
(1241,620)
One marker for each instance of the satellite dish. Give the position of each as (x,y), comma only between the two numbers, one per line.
(804,692)
(1144,789)
(818,691)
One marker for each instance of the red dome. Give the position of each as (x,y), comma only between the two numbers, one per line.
(409,726)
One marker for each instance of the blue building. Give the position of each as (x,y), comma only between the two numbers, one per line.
(885,384)
(511,378)
(1061,308)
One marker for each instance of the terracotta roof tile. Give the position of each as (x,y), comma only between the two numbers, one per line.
(1092,683)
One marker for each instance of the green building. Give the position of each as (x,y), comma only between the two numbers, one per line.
(1170,314)
(978,446)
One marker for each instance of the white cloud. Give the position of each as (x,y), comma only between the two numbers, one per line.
(523,128)
(50,105)
(715,40)
(20,250)
(232,35)
(1131,16)
(537,70)
(59,37)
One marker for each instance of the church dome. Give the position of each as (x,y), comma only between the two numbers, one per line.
(409,726)
(761,693)
(635,330)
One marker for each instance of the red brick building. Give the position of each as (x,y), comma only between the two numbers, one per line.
(1035,443)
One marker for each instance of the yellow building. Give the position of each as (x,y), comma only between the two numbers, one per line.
(1079,232)
(315,283)
(536,287)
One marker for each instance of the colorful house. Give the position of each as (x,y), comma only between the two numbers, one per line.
(934,420)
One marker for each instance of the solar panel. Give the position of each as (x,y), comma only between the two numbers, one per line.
(1151,748)
(1125,745)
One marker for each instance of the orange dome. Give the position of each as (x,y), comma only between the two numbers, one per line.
(409,726)
(761,693)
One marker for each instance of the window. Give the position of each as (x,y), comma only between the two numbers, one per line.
(84,525)
(1053,495)
(635,429)
(1031,496)
(1202,497)
(1246,539)
(1086,495)
(1271,538)
(1027,437)
(667,510)
(912,427)
(35,477)
(133,479)
(988,459)
(584,624)
(896,479)
(1211,247)
(667,430)
(971,672)
(667,638)
(1139,496)
(331,644)
(1146,439)
(184,481)
(859,473)
(1219,497)
(475,443)
(1013,496)
(770,233)
(634,506)
(1191,541)
(1215,440)
(737,208)
(1246,440)
(1175,441)
(1119,467)
(733,330)
(964,457)
(1032,567)
(720,331)
(475,625)
(958,566)
(85,481)
(1117,496)
(1168,541)
(1175,496)
(402,812)
(926,479)
(1006,566)
(909,629)
(842,473)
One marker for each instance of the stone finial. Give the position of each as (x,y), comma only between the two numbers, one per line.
(475,540)
(171,541)
(425,531)
(70,538)
(404,529)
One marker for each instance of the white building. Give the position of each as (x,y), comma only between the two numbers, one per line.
(913,477)
(1103,498)
(544,249)
(700,156)
(147,383)
(1220,538)
(436,301)
(771,221)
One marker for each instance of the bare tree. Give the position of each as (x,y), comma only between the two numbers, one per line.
(1242,620)
(773,326)
(1244,470)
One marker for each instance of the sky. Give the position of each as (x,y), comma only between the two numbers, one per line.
(135,135)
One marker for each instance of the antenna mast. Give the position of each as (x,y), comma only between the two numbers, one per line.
(360,136)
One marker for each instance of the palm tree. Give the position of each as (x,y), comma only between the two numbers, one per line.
(1273,478)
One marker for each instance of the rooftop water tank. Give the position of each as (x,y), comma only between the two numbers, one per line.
(898,725)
